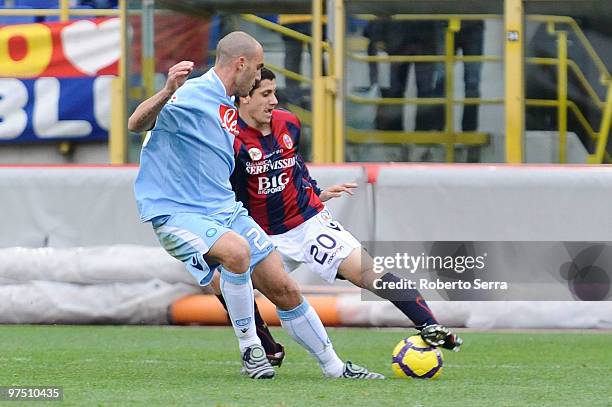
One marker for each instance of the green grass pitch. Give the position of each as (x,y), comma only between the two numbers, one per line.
(179,366)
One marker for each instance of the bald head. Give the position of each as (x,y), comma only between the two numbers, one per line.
(239,62)
(235,45)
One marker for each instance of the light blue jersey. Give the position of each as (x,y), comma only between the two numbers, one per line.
(186,163)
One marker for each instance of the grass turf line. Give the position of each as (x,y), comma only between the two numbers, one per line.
(134,365)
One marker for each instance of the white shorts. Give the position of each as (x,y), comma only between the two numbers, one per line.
(321,243)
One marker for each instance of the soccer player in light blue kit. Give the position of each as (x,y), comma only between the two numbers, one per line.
(183,189)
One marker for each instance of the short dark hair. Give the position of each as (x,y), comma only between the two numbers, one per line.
(266,74)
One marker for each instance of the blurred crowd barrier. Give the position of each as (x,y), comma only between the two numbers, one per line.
(94,205)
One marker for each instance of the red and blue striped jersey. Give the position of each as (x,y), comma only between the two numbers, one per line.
(271,178)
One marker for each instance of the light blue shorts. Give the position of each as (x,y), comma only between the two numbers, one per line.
(189,236)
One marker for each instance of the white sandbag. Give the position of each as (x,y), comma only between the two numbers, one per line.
(91,265)
(47,302)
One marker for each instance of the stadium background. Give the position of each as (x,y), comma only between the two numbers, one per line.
(73,252)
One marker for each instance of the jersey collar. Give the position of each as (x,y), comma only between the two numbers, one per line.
(245,126)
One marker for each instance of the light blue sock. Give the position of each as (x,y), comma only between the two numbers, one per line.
(305,327)
(237,292)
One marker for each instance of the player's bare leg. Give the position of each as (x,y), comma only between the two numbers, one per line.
(300,320)
(358,268)
(270,278)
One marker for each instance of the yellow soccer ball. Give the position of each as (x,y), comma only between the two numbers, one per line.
(413,358)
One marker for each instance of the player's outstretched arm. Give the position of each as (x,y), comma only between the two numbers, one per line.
(336,191)
(145,115)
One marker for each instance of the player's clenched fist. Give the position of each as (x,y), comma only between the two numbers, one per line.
(177,75)
(145,115)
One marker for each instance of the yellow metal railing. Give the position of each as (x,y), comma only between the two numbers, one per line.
(564,64)
(288,32)
(514,74)
(117,140)
(449,137)
(63,14)
(601,67)
(327,90)
(327,98)
(288,74)
(339,14)
(514,128)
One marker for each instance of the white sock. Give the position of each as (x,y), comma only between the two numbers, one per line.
(237,292)
(305,327)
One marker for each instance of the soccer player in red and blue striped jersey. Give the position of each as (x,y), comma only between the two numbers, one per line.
(271,178)
(275,186)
